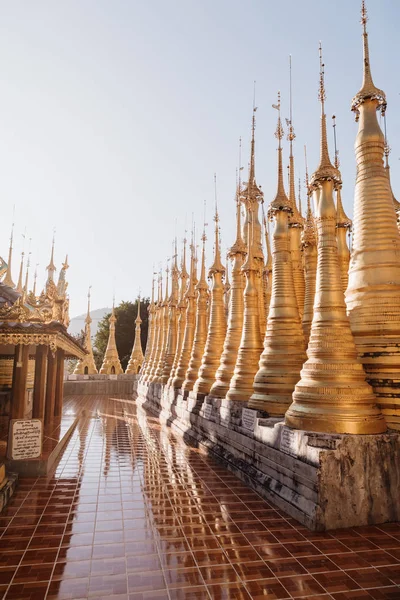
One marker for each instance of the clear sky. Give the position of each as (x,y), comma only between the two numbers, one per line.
(115,114)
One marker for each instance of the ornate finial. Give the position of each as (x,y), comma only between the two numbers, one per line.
(28,263)
(337,162)
(306,164)
(368,90)
(253,129)
(325,170)
(21,268)
(51,268)
(300,210)
(138,319)
(217,266)
(289,122)
(8,280)
(35,279)
(387,147)
(281,201)
(88,317)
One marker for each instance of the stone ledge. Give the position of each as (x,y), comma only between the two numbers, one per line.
(324,481)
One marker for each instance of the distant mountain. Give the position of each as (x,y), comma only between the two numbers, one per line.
(78,323)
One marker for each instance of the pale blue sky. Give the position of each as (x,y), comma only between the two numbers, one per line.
(115,114)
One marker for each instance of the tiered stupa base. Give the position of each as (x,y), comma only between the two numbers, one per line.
(324,481)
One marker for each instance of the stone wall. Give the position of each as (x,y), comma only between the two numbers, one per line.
(99,385)
(324,481)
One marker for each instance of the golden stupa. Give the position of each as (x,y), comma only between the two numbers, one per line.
(284,351)
(373,293)
(87,366)
(136,360)
(181,314)
(200,333)
(250,347)
(237,252)
(188,335)
(111,364)
(332,395)
(217,323)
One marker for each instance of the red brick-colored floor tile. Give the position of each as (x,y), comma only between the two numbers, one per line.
(369,578)
(108,585)
(227,591)
(303,586)
(29,591)
(146,582)
(254,570)
(336,581)
(270,589)
(33,573)
(181,578)
(392,572)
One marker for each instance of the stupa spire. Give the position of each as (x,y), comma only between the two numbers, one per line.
(368,89)
(189,328)
(137,358)
(281,201)
(87,366)
(19,287)
(200,334)
(325,168)
(309,242)
(332,395)
(217,324)
(8,280)
(151,335)
(111,364)
(171,336)
(51,268)
(237,253)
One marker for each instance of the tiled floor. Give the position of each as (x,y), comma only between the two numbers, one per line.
(133,513)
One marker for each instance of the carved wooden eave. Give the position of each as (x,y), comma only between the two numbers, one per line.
(54,336)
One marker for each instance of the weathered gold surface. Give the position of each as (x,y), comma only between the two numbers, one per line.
(343,225)
(332,395)
(151,350)
(8,280)
(188,336)
(181,314)
(227,289)
(373,293)
(200,333)
(172,333)
(241,384)
(217,325)
(309,241)
(163,340)
(267,272)
(136,360)
(284,351)
(111,364)
(233,336)
(87,364)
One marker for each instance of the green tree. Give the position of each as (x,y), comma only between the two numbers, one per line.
(124,331)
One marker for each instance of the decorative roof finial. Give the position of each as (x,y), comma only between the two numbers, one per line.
(217,265)
(281,201)
(34,280)
(252,175)
(28,264)
(51,268)
(8,280)
(368,90)
(325,170)
(138,319)
(88,319)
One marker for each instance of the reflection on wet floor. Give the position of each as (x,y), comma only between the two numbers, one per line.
(132,512)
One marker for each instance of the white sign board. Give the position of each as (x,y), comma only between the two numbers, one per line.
(112,376)
(86,377)
(207,410)
(25,439)
(72,377)
(249,418)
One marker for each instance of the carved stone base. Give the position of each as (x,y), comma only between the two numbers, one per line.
(324,481)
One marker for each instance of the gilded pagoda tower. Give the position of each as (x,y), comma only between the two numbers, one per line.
(136,360)
(150,335)
(217,324)
(181,314)
(250,348)
(171,338)
(188,336)
(200,333)
(309,241)
(237,252)
(8,280)
(111,364)
(284,351)
(86,365)
(373,293)
(332,395)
